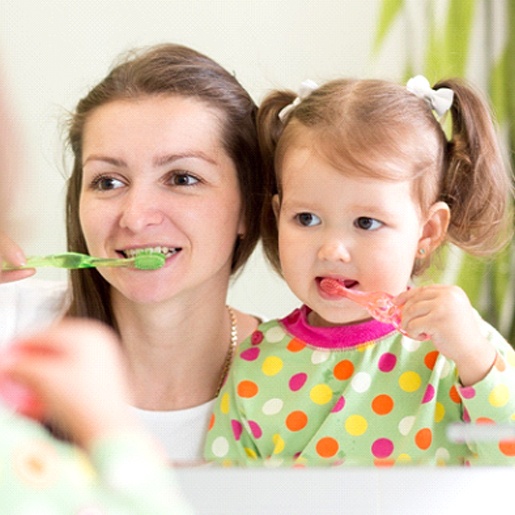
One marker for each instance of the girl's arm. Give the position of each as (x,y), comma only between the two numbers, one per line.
(74,369)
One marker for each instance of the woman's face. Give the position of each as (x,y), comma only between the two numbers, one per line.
(155,175)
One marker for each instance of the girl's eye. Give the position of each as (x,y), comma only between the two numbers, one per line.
(183,179)
(367,224)
(106,183)
(308,219)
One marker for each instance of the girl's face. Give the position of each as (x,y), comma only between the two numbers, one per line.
(363,231)
(155,175)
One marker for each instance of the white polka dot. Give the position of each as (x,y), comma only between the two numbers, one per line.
(409,344)
(442,456)
(272,406)
(361,382)
(406,424)
(275,334)
(319,356)
(220,447)
(273,462)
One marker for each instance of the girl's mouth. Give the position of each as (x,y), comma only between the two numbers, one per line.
(346,283)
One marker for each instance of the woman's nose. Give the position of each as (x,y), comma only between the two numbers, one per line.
(140,210)
(334,250)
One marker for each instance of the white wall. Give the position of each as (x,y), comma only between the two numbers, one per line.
(53,51)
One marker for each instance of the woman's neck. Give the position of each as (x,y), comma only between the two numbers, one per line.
(175,351)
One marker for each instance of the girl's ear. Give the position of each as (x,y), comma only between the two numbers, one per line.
(434,229)
(276,206)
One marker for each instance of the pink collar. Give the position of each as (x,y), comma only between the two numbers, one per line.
(336,337)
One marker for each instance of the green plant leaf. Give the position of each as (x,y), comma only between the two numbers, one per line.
(458,30)
(498,90)
(390,9)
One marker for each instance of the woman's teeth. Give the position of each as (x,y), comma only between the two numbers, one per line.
(166,251)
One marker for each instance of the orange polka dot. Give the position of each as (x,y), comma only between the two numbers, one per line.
(500,364)
(424,438)
(295,345)
(211,422)
(454,395)
(343,370)
(382,404)
(507,447)
(296,420)
(247,389)
(383,463)
(484,420)
(327,447)
(430,359)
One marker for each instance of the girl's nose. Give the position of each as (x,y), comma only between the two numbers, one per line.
(140,210)
(334,250)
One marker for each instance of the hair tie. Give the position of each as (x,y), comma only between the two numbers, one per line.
(440,100)
(306,88)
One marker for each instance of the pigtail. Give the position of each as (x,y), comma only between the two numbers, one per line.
(476,185)
(270,128)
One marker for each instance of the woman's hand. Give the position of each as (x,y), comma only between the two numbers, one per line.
(11,253)
(443,313)
(75,369)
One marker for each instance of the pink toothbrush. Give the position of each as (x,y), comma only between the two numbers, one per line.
(378,304)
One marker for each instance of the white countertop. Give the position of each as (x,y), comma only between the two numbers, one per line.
(369,491)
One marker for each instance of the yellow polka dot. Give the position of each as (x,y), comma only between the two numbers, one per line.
(251,453)
(272,365)
(356,425)
(278,444)
(321,394)
(439,412)
(410,381)
(224,403)
(499,396)
(403,458)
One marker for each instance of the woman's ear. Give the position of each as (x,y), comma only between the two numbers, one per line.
(276,206)
(434,229)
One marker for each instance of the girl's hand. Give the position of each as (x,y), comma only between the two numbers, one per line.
(75,370)
(443,313)
(11,253)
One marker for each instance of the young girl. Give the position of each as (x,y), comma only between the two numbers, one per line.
(366,188)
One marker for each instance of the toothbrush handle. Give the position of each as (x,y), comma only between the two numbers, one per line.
(32,262)
(110,262)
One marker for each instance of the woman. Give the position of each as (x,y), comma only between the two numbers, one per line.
(165,157)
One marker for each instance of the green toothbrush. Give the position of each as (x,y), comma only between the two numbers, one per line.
(143,260)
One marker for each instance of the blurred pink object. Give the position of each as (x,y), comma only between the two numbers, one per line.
(378,304)
(19,397)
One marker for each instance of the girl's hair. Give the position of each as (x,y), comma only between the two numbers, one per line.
(167,70)
(380,129)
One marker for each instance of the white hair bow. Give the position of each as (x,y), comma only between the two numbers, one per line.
(306,88)
(440,100)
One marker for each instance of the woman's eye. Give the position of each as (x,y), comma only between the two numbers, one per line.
(308,219)
(106,183)
(367,224)
(183,179)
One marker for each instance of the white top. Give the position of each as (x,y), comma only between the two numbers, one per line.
(31,304)
(180,432)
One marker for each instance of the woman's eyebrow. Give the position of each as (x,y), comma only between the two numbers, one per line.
(170,158)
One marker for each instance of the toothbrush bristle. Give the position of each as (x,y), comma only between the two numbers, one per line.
(149,260)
